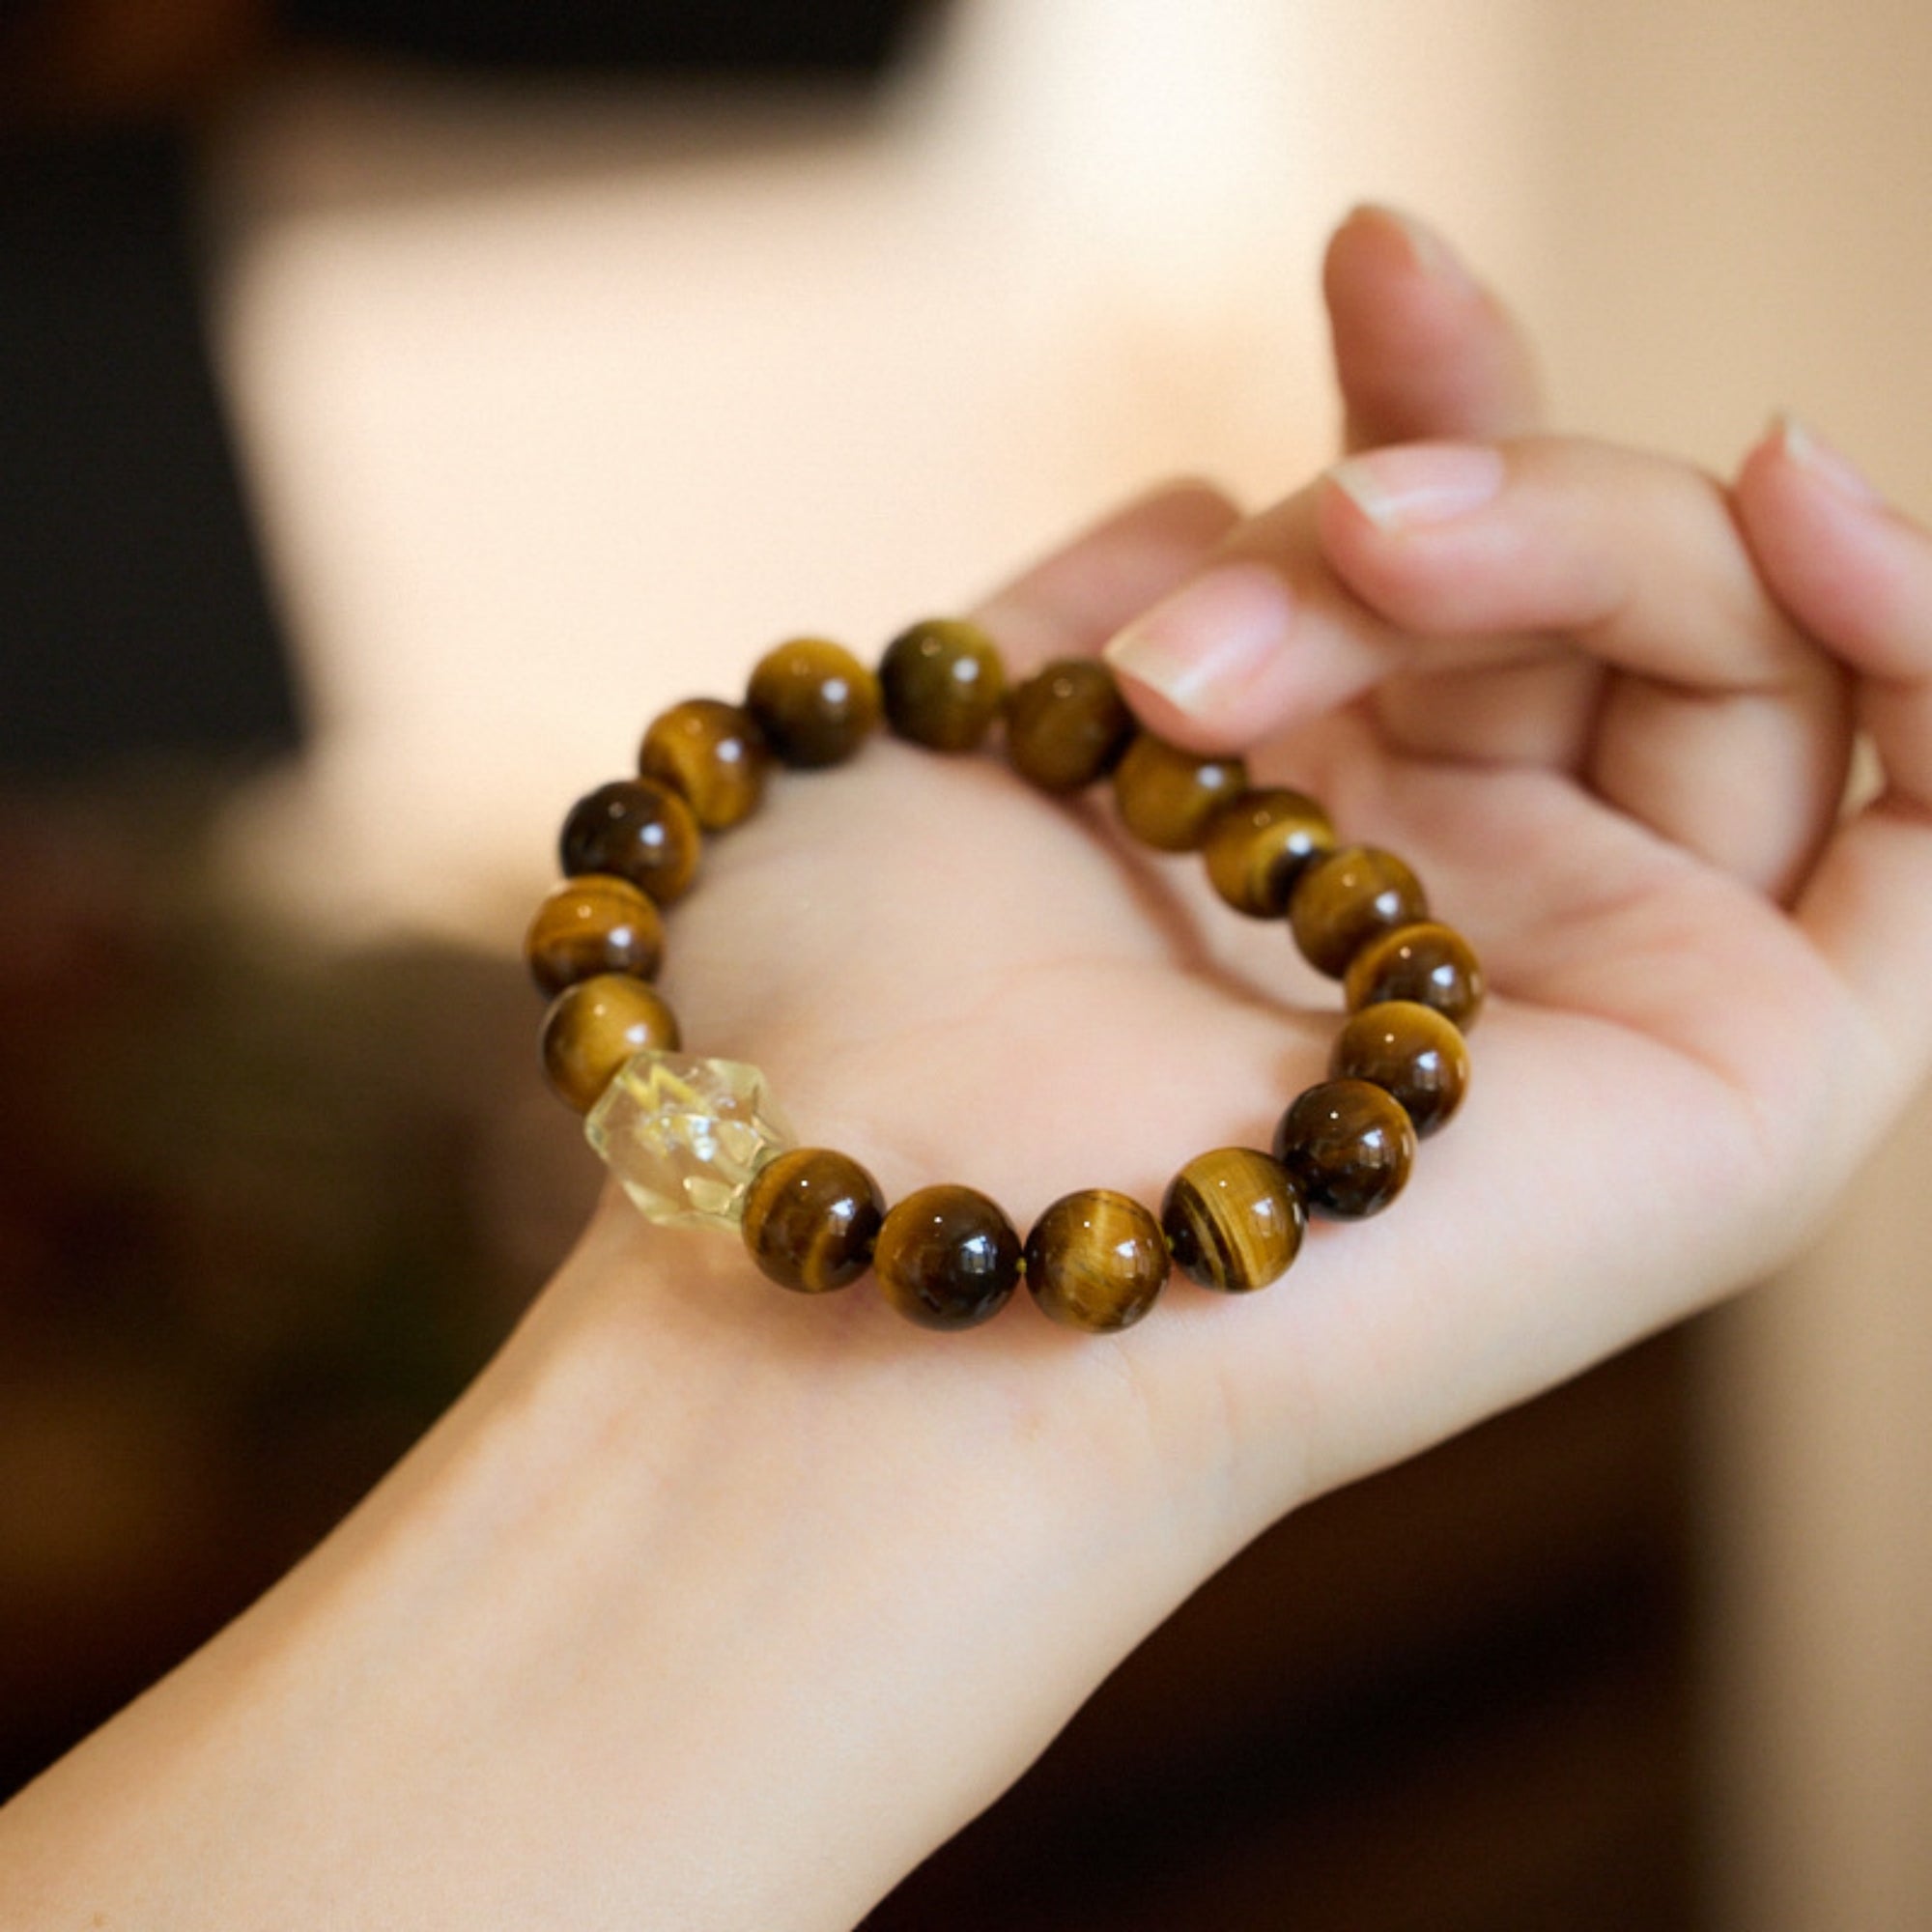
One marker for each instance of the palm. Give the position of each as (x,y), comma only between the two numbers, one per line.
(954,979)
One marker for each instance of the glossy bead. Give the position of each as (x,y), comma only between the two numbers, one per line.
(593,1026)
(684,1136)
(596,923)
(814,701)
(1096,1260)
(1167,796)
(1349,1145)
(1429,962)
(638,828)
(1233,1219)
(811,1218)
(947,1258)
(1257,844)
(1067,724)
(1345,898)
(942,683)
(1410,1051)
(712,755)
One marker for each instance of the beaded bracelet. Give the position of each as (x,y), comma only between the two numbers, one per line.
(696,1140)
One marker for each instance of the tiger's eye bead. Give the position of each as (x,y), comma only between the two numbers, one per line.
(1429,963)
(942,682)
(814,701)
(712,755)
(597,924)
(593,1026)
(810,1219)
(1067,724)
(638,828)
(947,1258)
(1349,1145)
(1096,1260)
(1258,846)
(1233,1219)
(1167,796)
(1412,1052)
(1345,898)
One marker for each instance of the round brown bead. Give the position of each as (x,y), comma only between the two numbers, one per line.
(947,1258)
(593,1026)
(596,923)
(1345,899)
(942,683)
(712,755)
(1412,1052)
(1257,844)
(638,828)
(1167,796)
(810,1219)
(814,701)
(1096,1260)
(1233,1219)
(1067,724)
(1349,1145)
(1429,962)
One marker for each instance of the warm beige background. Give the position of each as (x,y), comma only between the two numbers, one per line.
(562,404)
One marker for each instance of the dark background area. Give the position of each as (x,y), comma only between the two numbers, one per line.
(133,616)
(262,1213)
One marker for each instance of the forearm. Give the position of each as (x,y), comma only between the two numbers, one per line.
(656,1627)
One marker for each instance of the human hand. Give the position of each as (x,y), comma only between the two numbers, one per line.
(1607,717)
(1613,754)
(965,1020)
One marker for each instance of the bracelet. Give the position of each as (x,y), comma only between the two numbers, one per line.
(699,1141)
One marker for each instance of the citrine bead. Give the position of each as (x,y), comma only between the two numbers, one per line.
(942,683)
(593,1026)
(1067,724)
(947,1258)
(1233,1219)
(1349,1145)
(1167,796)
(1347,897)
(638,828)
(684,1135)
(1096,1260)
(814,701)
(596,923)
(1410,1050)
(1429,962)
(809,1219)
(1256,845)
(712,754)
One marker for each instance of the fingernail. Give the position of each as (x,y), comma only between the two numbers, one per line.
(1211,636)
(1430,253)
(1420,483)
(1811,452)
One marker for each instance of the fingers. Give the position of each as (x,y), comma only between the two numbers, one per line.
(1421,348)
(1070,603)
(1552,602)
(1722,727)
(1858,576)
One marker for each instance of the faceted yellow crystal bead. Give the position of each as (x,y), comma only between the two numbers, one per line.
(684,1135)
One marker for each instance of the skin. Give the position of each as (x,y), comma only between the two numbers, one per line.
(712,1606)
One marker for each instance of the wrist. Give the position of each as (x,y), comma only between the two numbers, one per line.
(835,1549)
(661,1620)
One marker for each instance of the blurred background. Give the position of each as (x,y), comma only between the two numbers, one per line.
(399,403)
